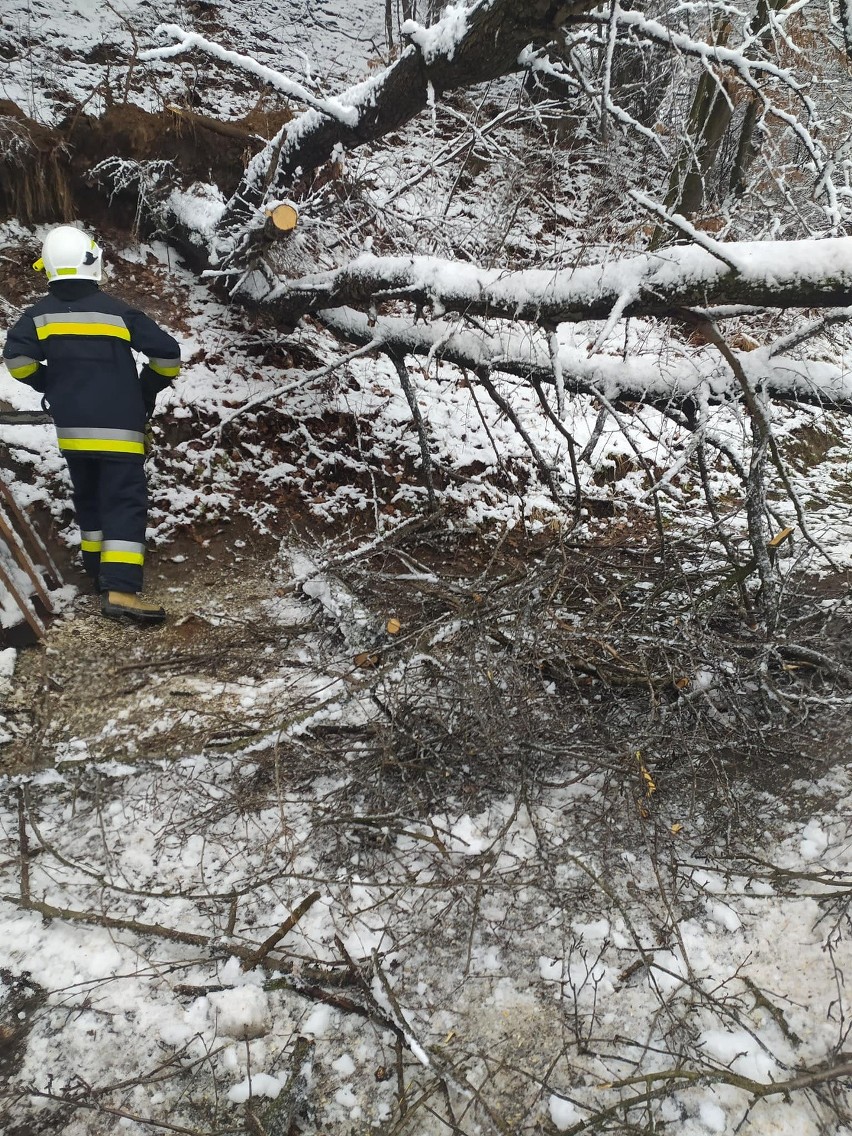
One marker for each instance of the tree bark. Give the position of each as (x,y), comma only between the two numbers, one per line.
(497,32)
(623,381)
(709,118)
(652,284)
(746,148)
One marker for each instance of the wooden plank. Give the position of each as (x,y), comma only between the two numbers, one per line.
(741,574)
(32,541)
(24,606)
(27,549)
(22,558)
(779,538)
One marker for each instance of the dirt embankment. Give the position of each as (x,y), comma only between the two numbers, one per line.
(50,174)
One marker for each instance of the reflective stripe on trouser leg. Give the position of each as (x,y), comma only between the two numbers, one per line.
(100,441)
(122,552)
(85,481)
(90,547)
(124,511)
(91,540)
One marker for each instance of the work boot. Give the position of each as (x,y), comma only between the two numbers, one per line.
(128,605)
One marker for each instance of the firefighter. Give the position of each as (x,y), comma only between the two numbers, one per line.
(75,346)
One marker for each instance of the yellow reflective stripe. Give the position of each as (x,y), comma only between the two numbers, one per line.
(168,372)
(66,271)
(82,329)
(102,445)
(122,557)
(22,372)
(90,545)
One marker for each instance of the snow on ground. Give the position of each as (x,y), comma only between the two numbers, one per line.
(70,51)
(520,963)
(498,964)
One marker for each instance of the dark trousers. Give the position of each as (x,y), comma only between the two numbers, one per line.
(111,502)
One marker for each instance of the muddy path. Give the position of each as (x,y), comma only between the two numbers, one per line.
(97,690)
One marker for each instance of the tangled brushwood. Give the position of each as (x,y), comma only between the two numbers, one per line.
(396,909)
(491,774)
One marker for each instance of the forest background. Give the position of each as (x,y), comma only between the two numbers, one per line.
(492,772)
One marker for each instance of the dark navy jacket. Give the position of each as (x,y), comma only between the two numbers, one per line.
(75,346)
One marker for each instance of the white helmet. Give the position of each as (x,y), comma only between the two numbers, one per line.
(70,253)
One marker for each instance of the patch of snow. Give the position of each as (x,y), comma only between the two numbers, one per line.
(257,1085)
(562,1112)
(443,37)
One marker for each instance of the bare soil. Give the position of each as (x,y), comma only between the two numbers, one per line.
(101,690)
(46,173)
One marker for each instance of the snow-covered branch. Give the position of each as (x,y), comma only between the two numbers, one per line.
(331,108)
(777,274)
(744,65)
(698,376)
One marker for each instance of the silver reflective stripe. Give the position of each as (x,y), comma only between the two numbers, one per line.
(91,541)
(123,546)
(169,363)
(103,434)
(78,317)
(123,552)
(19,361)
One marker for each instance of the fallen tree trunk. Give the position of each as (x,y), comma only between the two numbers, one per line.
(680,379)
(813,274)
(488,40)
(780,274)
(486,44)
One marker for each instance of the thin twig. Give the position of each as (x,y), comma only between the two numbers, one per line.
(286,927)
(411,396)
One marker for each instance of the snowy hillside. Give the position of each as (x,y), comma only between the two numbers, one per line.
(490,775)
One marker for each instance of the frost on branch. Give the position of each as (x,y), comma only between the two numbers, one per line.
(682,376)
(681,283)
(779,274)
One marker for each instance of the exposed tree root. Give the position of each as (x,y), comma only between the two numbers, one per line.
(34,163)
(46,173)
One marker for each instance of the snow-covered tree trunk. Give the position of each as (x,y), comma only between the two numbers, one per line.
(466,47)
(779,274)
